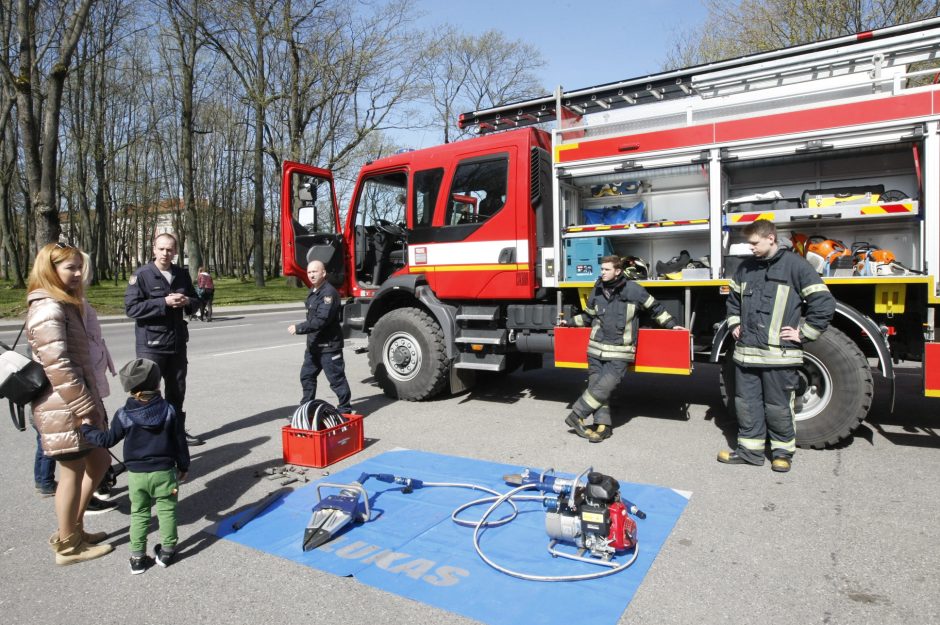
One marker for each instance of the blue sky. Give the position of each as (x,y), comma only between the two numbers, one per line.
(585,43)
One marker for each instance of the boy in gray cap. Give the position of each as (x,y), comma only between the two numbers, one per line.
(154,450)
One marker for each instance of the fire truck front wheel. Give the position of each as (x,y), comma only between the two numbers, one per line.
(834,390)
(407,355)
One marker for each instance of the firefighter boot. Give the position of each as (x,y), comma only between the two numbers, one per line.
(577,424)
(603,432)
(73,549)
(731,457)
(781,464)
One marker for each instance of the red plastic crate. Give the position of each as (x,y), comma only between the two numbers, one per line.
(312,448)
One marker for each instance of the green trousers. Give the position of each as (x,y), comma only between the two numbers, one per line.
(148,490)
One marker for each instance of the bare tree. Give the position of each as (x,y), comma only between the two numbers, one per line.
(185,18)
(39,97)
(738,27)
(464,72)
(8,149)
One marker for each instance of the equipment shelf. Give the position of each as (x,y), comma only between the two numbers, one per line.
(664,228)
(830,214)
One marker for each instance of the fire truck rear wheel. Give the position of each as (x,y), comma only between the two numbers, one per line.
(834,394)
(407,355)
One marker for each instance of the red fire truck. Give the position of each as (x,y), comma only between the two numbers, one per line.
(461,258)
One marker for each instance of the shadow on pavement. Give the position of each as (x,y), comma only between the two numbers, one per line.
(275,414)
(913,422)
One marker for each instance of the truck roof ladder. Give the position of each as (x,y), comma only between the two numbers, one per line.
(864,54)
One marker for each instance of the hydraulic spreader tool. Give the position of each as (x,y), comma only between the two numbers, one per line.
(586,514)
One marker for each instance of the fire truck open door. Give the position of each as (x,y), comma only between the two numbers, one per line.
(310,227)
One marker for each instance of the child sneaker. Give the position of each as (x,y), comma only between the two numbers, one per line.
(164,558)
(139,564)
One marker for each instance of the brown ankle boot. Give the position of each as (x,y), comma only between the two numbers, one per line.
(92,538)
(73,549)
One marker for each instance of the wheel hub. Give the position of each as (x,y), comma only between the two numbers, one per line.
(814,389)
(402,356)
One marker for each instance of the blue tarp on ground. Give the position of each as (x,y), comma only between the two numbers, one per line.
(412,548)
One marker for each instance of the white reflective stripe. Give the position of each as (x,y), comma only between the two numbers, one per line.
(734,286)
(770,361)
(590,401)
(662,318)
(611,355)
(628,326)
(814,288)
(611,348)
(809,332)
(789,445)
(752,444)
(649,302)
(467,252)
(734,320)
(776,318)
(769,353)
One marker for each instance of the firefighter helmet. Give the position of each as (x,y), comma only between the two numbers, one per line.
(798,240)
(635,268)
(823,253)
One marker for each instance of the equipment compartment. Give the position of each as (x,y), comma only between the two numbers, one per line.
(863,194)
(674,202)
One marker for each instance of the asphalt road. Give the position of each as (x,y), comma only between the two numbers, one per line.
(850,536)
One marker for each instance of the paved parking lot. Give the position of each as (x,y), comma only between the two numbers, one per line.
(849,536)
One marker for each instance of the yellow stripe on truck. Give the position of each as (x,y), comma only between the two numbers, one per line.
(442,268)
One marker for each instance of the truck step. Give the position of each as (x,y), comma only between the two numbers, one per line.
(481,362)
(477,313)
(483,336)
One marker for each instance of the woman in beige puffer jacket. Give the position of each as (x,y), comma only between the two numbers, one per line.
(59,342)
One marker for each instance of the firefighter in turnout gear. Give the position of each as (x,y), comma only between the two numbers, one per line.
(765,305)
(611,312)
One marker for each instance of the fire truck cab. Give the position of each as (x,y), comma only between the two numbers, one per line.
(461,258)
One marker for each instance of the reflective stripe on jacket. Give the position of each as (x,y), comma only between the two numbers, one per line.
(612,314)
(769,294)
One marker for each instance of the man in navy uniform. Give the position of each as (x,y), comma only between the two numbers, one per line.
(324,339)
(159,296)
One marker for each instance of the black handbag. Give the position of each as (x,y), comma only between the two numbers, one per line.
(22,380)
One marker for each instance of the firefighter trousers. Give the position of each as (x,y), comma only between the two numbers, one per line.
(764,405)
(603,378)
(332,364)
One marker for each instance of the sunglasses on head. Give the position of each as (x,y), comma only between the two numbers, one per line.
(64,246)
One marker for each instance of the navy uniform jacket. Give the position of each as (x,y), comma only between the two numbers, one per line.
(160,329)
(324,313)
(768,294)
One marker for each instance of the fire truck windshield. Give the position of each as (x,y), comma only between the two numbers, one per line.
(380,227)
